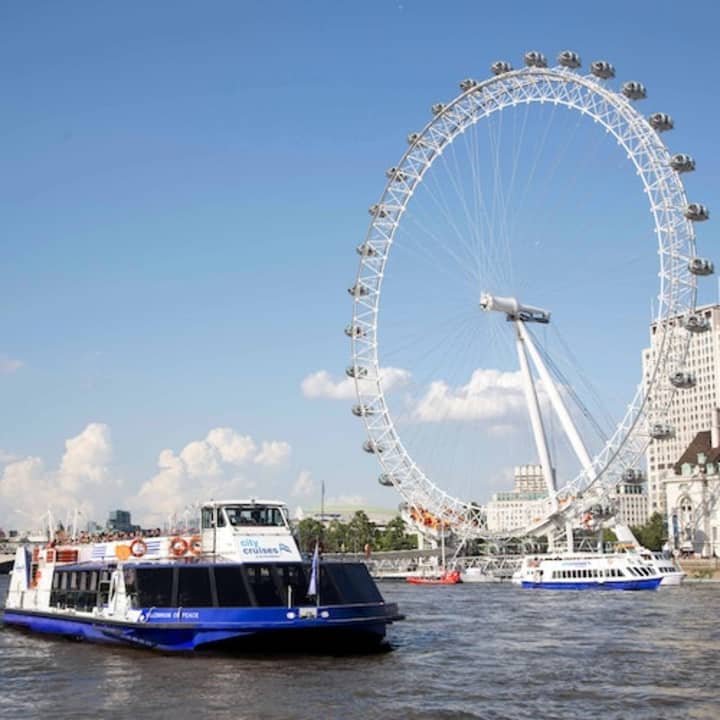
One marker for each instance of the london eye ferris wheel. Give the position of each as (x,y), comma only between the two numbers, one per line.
(508,260)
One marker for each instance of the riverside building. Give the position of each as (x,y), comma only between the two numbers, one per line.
(691,409)
(522,506)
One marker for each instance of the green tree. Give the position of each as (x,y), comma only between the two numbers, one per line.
(307,532)
(336,537)
(361,532)
(653,533)
(394,536)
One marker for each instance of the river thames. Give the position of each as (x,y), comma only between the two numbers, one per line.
(464,651)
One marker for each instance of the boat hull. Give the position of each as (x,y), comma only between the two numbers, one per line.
(340,628)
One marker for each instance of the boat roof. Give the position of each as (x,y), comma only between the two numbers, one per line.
(243,501)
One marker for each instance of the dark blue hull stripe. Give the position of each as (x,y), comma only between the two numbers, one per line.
(209,625)
(645,584)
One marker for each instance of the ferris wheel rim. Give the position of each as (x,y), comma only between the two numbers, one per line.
(677,285)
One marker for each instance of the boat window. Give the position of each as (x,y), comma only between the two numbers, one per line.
(264,587)
(231,588)
(295,578)
(240,515)
(208,515)
(56,581)
(353,582)
(154,586)
(130,580)
(194,587)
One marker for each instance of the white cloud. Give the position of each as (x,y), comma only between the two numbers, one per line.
(9,365)
(233,448)
(274,452)
(209,468)
(201,459)
(321,384)
(203,469)
(304,486)
(28,489)
(490,395)
(86,458)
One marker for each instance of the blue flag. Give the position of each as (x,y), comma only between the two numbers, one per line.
(312,586)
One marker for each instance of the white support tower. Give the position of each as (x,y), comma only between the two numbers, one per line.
(520,314)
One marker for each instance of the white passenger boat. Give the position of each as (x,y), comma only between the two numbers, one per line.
(239,582)
(587,571)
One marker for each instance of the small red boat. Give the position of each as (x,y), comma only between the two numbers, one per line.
(449,577)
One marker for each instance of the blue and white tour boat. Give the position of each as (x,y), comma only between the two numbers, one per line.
(587,571)
(239,582)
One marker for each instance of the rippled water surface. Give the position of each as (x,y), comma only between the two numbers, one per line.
(464,651)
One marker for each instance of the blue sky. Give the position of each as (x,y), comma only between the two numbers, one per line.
(183,188)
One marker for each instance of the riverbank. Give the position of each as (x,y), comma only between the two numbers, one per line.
(701,569)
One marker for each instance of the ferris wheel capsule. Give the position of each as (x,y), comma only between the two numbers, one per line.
(370,446)
(356,371)
(354,331)
(437,108)
(683,379)
(385,480)
(696,212)
(634,90)
(696,323)
(468,84)
(534,58)
(662,431)
(366,250)
(632,475)
(377,210)
(701,266)
(569,59)
(661,122)
(602,69)
(361,410)
(358,290)
(395,175)
(682,163)
(500,66)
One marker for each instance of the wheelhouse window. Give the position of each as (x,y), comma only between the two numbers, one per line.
(248,515)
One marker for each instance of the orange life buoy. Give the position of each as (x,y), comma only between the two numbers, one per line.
(196,545)
(36,579)
(178,546)
(138,547)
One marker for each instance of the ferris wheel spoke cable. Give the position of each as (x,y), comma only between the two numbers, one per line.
(592,391)
(438,246)
(569,389)
(473,226)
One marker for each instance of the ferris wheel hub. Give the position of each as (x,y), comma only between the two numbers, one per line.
(513,308)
